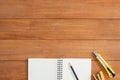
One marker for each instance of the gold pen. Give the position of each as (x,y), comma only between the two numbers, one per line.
(101,75)
(109,70)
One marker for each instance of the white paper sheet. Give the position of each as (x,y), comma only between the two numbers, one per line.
(46,69)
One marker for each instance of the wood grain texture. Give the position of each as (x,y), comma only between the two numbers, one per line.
(57,29)
(31,29)
(24,49)
(17,70)
(59,9)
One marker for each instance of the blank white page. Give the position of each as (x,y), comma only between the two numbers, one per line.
(82,68)
(46,69)
(42,69)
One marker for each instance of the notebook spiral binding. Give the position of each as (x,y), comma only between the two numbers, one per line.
(59,69)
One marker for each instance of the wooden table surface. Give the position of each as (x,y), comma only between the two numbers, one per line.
(58,29)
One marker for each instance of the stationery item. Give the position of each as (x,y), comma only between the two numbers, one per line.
(95,78)
(98,76)
(73,72)
(109,70)
(101,75)
(58,69)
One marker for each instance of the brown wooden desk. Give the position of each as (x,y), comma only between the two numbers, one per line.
(57,28)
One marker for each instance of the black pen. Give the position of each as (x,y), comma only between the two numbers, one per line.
(73,72)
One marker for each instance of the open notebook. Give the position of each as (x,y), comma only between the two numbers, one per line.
(58,69)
